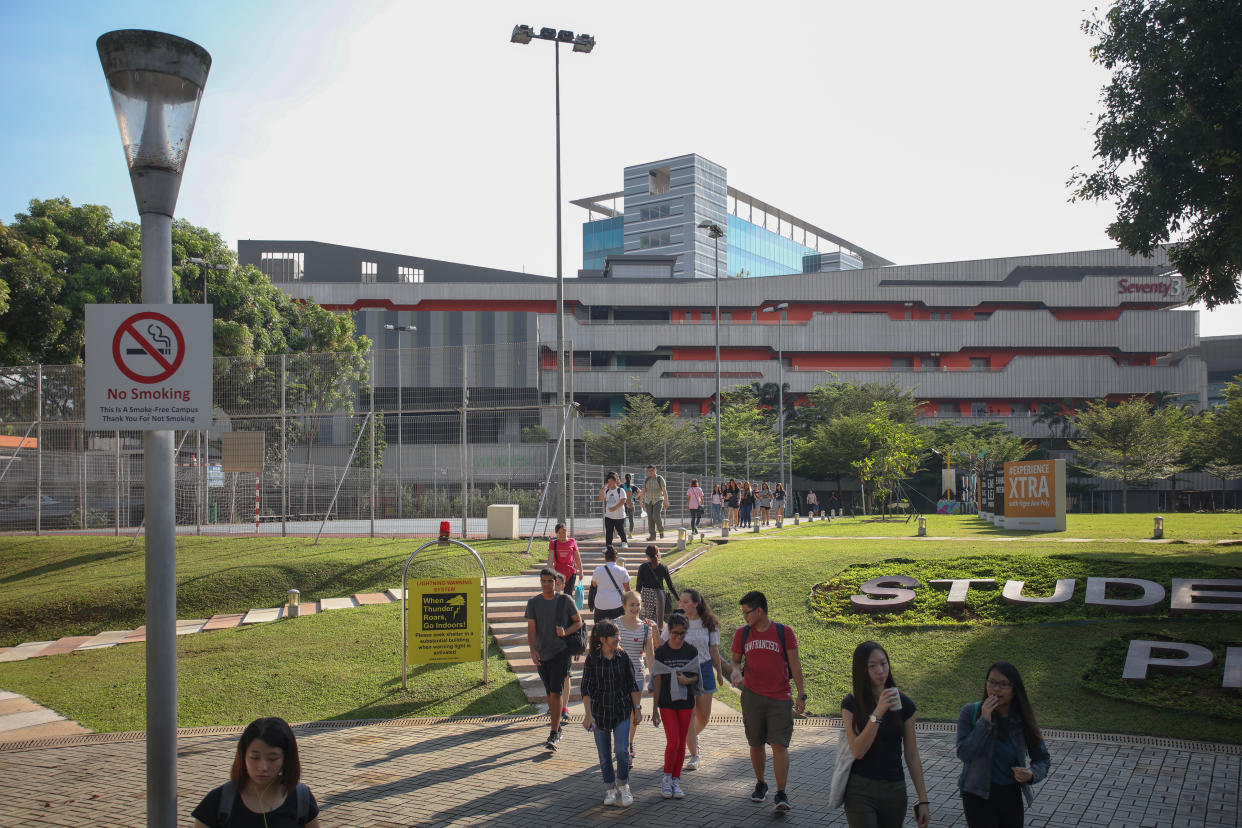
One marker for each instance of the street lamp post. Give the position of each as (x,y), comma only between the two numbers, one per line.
(205,265)
(156,81)
(582,43)
(400,329)
(780,390)
(715,232)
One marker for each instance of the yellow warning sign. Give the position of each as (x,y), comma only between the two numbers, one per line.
(444,621)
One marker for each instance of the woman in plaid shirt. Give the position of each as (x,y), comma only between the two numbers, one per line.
(610,699)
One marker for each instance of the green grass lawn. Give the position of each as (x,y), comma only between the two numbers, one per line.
(68,585)
(943,668)
(1177,526)
(336,665)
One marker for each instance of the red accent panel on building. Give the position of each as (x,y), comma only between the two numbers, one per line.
(725,354)
(1072,314)
(519,305)
(838,361)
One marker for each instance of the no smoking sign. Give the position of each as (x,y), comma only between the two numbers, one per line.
(148,367)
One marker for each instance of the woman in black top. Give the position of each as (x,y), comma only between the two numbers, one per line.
(610,699)
(733,500)
(676,676)
(264,788)
(879,722)
(652,575)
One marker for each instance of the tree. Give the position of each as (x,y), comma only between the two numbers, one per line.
(1169,138)
(1059,417)
(640,436)
(896,453)
(1217,442)
(748,439)
(825,403)
(1131,441)
(970,444)
(834,449)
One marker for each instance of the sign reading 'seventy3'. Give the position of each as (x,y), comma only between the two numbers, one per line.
(1169,287)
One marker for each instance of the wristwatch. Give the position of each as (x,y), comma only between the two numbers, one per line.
(802,697)
(874,719)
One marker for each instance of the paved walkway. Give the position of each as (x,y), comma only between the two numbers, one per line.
(493,772)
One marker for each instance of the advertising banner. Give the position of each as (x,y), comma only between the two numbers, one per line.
(1034,495)
(444,621)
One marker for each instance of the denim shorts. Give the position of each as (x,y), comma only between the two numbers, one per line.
(707,682)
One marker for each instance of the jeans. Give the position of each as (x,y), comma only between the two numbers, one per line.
(608,743)
(717,511)
(874,803)
(655,518)
(613,525)
(1002,809)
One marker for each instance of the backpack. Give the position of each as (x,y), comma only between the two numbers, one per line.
(780,634)
(228,797)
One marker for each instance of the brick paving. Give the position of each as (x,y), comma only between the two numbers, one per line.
(494,772)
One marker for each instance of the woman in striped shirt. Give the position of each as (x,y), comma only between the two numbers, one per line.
(610,703)
(637,640)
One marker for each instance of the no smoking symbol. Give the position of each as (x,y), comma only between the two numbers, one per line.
(158,340)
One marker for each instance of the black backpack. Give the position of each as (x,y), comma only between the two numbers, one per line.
(780,634)
(228,797)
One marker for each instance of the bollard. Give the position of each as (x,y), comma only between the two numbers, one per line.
(922,526)
(810,517)
(681,539)
(295,598)
(795,520)
(780,520)
(724,528)
(754,526)
(1157,531)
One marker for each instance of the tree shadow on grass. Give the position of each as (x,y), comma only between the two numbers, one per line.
(68,563)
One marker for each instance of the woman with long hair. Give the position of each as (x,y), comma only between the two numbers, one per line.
(733,499)
(765,503)
(563,556)
(995,738)
(747,504)
(676,680)
(638,637)
(609,582)
(264,786)
(694,505)
(879,723)
(703,633)
(610,709)
(717,505)
(778,501)
(650,581)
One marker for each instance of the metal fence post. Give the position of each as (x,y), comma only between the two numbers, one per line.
(116,487)
(465,401)
(39,449)
(372,447)
(284,460)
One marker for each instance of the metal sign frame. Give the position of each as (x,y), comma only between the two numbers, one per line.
(405,591)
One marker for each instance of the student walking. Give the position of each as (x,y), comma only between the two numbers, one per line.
(694,504)
(717,505)
(770,653)
(765,504)
(563,557)
(637,637)
(631,503)
(733,499)
(652,576)
(264,786)
(812,503)
(995,739)
(778,501)
(655,501)
(614,499)
(608,583)
(879,723)
(676,677)
(747,504)
(550,618)
(611,710)
(702,633)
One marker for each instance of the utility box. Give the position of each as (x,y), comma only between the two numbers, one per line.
(502,521)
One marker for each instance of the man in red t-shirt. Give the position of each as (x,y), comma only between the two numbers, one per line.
(770,653)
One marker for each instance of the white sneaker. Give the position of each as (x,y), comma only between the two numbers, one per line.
(678,793)
(692,763)
(610,796)
(666,787)
(625,545)
(627,798)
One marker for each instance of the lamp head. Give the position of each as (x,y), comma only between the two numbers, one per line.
(156,81)
(521,34)
(584,43)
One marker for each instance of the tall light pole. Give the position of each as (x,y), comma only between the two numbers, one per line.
(715,232)
(780,389)
(156,81)
(205,265)
(400,329)
(582,43)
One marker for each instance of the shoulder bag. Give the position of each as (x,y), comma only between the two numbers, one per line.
(841,772)
(576,642)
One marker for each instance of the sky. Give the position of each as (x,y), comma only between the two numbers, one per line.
(923,132)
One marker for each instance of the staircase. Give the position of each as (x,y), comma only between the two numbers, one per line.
(506,608)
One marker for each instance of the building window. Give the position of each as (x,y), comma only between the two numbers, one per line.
(903,363)
(978,409)
(949,410)
(281,267)
(726,316)
(658,181)
(647,240)
(369,271)
(410,275)
(654,211)
(981,316)
(978,363)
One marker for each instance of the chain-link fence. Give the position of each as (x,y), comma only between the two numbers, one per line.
(389,441)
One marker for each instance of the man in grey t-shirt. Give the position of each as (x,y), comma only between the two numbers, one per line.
(546,616)
(655,501)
